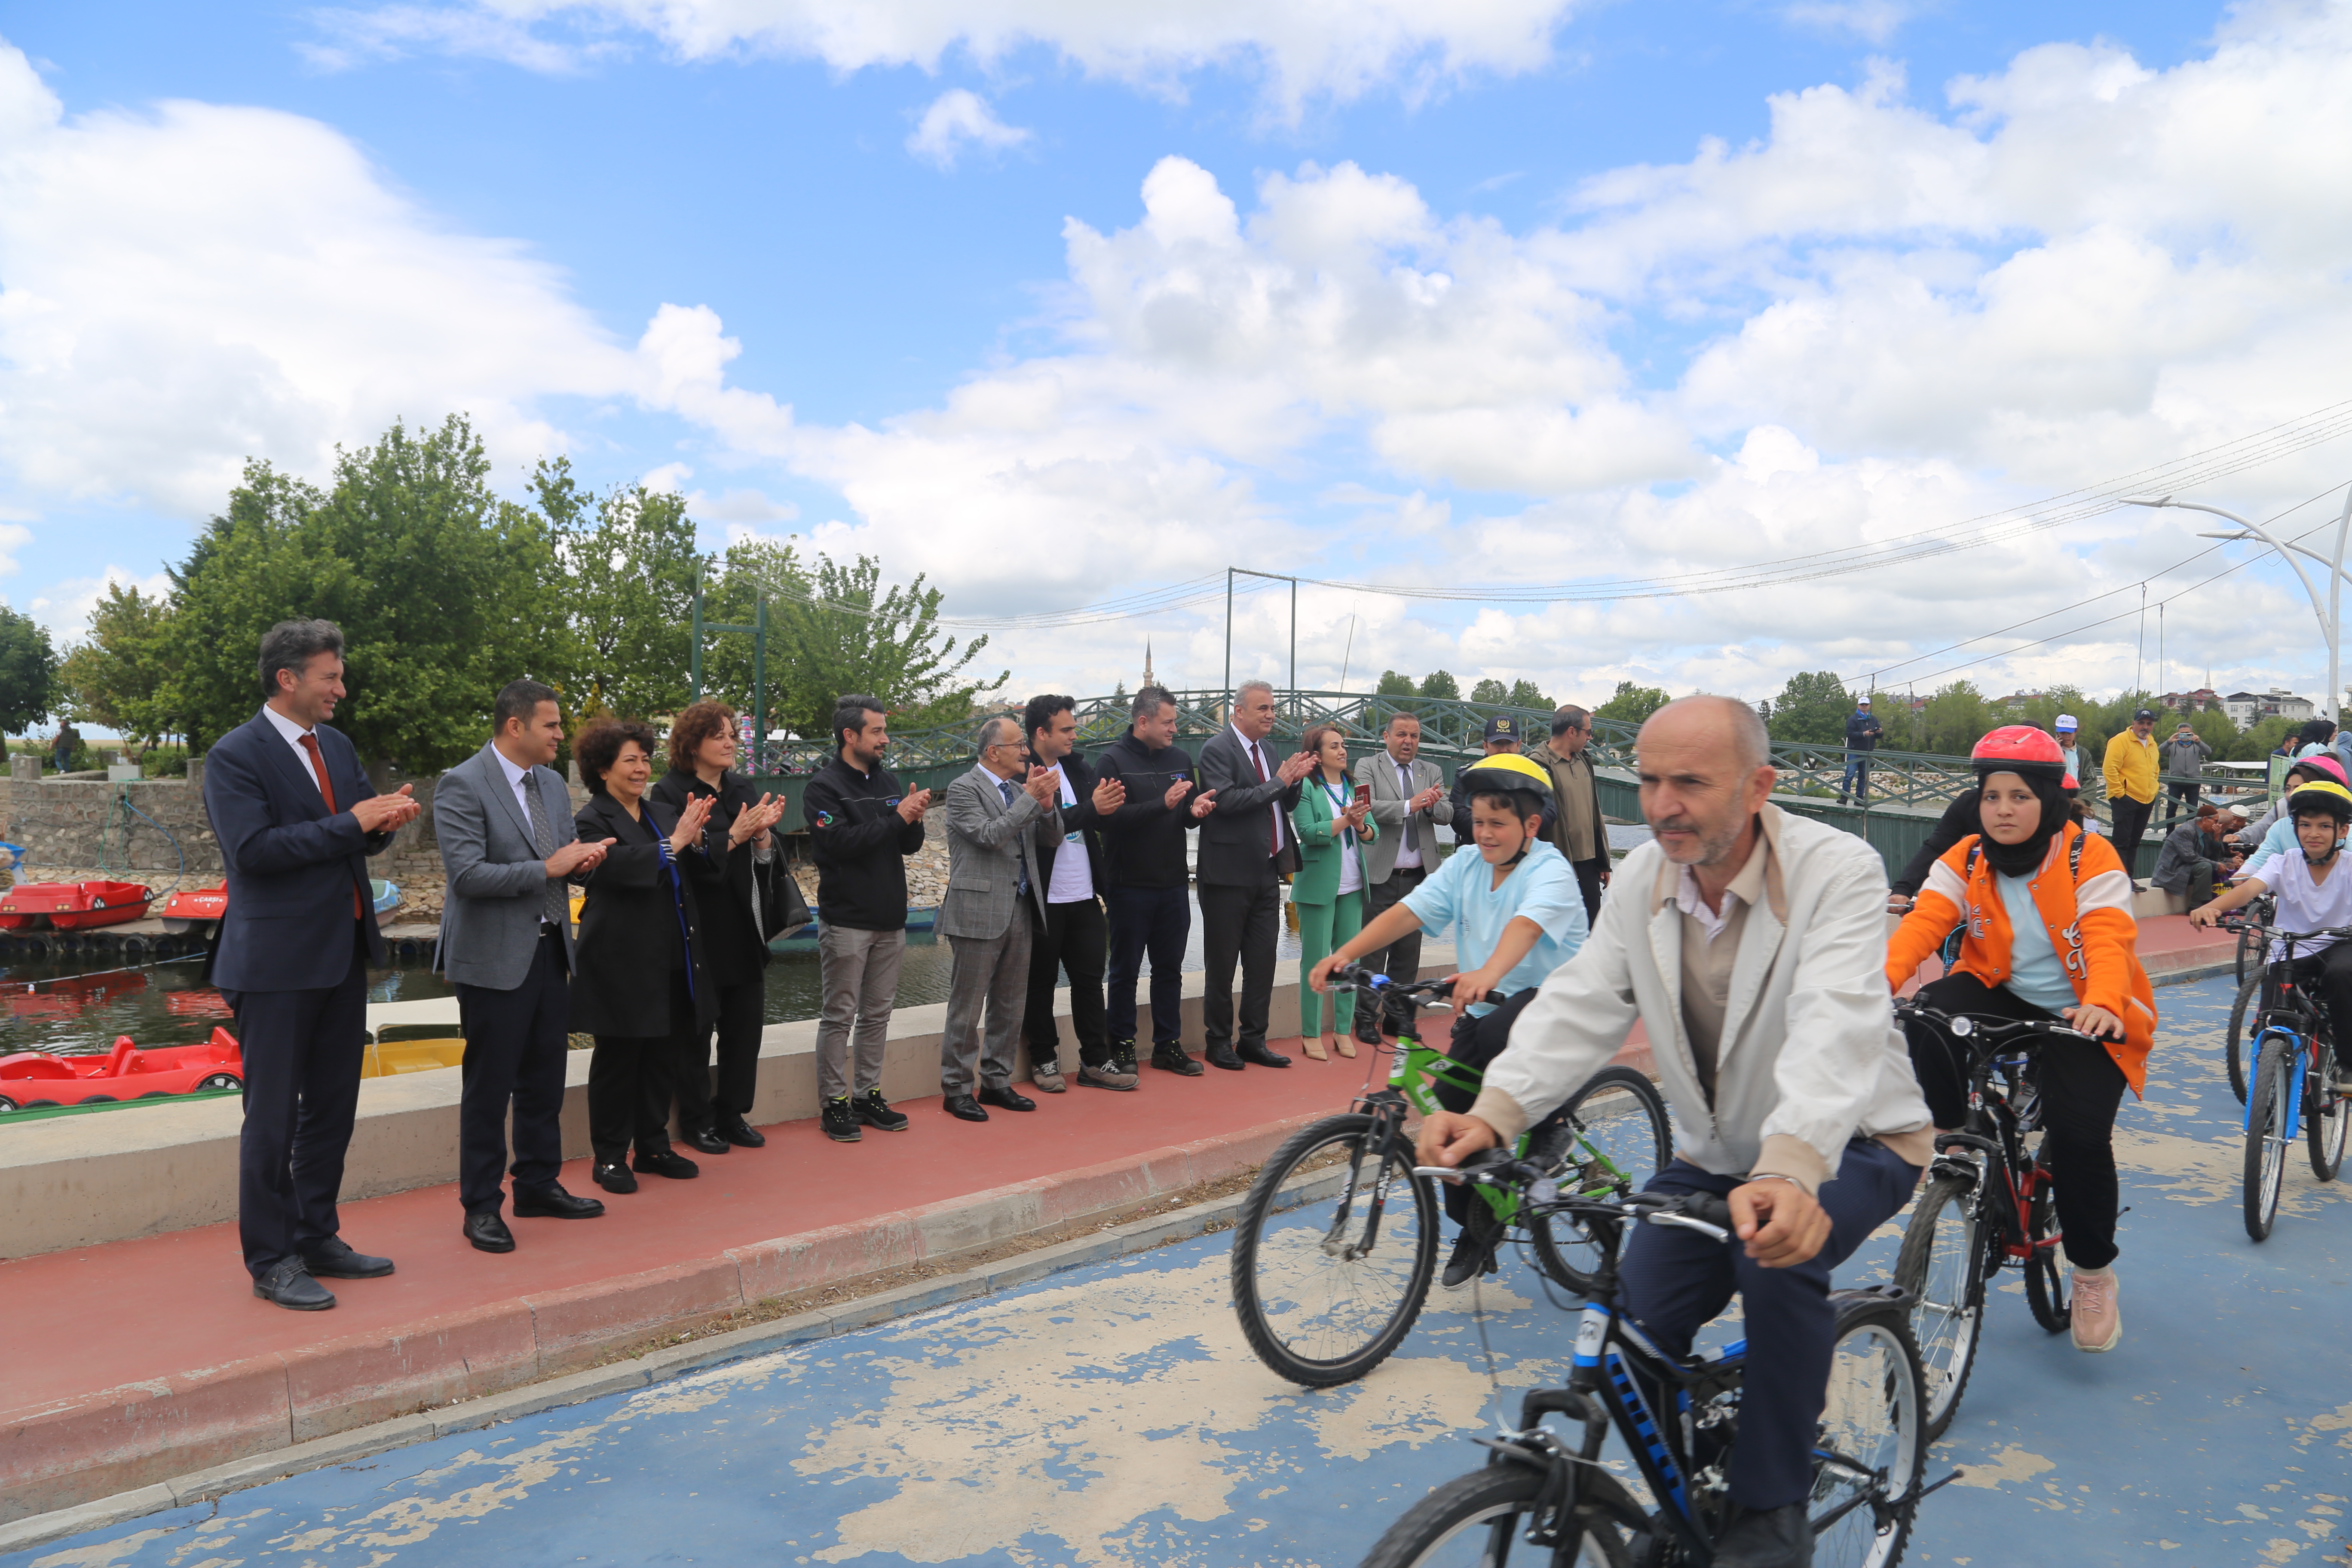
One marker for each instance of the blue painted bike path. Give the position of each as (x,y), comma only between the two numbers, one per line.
(1112,1415)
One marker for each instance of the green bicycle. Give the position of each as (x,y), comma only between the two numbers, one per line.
(1337,1242)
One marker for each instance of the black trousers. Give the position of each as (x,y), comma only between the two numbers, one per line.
(1238,925)
(630,1079)
(1401,960)
(1588,882)
(302,1056)
(1155,921)
(1676,1281)
(2174,794)
(2130,821)
(743,1015)
(2331,969)
(1477,1042)
(514,1057)
(1075,938)
(2081,1088)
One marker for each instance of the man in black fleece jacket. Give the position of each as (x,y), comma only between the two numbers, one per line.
(1144,879)
(861,830)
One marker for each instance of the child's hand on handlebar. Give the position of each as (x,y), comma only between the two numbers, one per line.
(1448,1138)
(1320,977)
(2093,1020)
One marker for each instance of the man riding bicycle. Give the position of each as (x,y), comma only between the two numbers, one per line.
(2314,893)
(1516,913)
(1748,943)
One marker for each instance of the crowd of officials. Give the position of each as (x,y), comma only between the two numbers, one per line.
(1057,867)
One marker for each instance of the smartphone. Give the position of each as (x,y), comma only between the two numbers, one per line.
(1363,794)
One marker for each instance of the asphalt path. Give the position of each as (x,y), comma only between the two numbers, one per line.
(1112,1415)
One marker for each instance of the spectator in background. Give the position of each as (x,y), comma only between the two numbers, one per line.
(1862,733)
(2129,769)
(999,823)
(1501,738)
(2184,754)
(1333,830)
(738,857)
(1247,843)
(2196,854)
(643,987)
(1144,879)
(1074,937)
(861,830)
(63,746)
(2064,729)
(1409,800)
(1578,831)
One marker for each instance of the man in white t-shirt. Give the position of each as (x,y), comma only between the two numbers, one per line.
(1074,936)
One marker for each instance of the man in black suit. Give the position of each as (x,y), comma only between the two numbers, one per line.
(1246,842)
(296,819)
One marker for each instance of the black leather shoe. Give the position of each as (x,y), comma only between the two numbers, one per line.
(668,1163)
(552,1201)
(702,1140)
(487,1232)
(1223,1056)
(616,1179)
(1007,1097)
(288,1283)
(1367,1032)
(740,1133)
(1175,1060)
(334,1259)
(1259,1057)
(1470,1256)
(1768,1538)
(963,1108)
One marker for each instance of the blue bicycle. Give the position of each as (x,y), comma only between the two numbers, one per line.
(2293,1086)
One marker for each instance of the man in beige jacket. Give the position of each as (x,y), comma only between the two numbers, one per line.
(1750,943)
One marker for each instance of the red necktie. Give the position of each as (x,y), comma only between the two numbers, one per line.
(1273,824)
(318,766)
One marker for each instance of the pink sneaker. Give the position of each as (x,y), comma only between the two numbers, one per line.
(2099,1319)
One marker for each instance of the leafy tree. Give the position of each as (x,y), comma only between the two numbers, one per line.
(1391,684)
(1437,683)
(1524,694)
(28,672)
(1490,691)
(1630,704)
(853,636)
(1811,708)
(120,676)
(629,564)
(750,572)
(1955,718)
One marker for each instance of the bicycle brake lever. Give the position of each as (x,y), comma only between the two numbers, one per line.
(1685,1222)
(1441,1172)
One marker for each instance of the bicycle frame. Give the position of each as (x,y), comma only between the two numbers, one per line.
(2289,1004)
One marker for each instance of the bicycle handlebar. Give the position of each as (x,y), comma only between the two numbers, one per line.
(1702,1212)
(1425,992)
(1993,1030)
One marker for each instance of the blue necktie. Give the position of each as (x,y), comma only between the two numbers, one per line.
(1020,889)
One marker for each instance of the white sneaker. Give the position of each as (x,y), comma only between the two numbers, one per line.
(2097,1317)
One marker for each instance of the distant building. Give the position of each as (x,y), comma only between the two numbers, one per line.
(2248,708)
(2016,701)
(2190,701)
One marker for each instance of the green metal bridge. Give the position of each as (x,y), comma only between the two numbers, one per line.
(1908,790)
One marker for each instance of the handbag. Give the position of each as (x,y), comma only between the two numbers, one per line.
(782,908)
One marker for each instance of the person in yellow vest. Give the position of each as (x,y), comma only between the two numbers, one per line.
(2048,933)
(2129,768)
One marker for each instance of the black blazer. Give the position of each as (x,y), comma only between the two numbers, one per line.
(1236,838)
(636,928)
(726,879)
(1081,818)
(292,868)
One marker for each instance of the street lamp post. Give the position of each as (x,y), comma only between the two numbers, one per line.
(2328,614)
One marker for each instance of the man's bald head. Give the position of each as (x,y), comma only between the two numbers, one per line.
(1721,722)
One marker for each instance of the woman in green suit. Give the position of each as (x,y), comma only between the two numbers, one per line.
(1333,828)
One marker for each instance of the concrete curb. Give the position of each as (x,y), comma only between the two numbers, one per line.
(657,1366)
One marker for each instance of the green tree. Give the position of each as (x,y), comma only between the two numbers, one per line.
(120,675)
(1811,708)
(1524,694)
(1955,718)
(1630,704)
(629,563)
(1439,684)
(1490,691)
(750,572)
(28,672)
(855,637)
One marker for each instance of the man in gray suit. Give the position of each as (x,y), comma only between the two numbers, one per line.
(997,828)
(506,842)
(1409,800)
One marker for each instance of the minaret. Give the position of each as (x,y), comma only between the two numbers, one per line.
(1149,679)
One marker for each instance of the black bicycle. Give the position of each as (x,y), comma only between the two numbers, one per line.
(1680,1420)
(1989,1205)
(2253,925)
(2292,1087)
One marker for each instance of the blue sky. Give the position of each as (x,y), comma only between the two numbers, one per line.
(1479,305)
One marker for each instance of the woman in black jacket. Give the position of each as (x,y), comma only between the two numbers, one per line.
(731,875)
(638,984)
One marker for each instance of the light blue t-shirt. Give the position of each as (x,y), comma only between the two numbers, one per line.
(2035,973)
(1542,888)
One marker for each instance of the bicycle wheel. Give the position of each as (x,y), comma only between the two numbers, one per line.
(2247,946)
(2046,1271)
(1613,1136)
(1873,1440)
(1942,1265)
(2325,1115)
(2235,1049)
(1325,1288)
(1479,1517)
(2269,1095)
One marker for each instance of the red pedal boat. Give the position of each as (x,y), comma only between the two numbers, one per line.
(72,906)
(30,1079)
(198,908)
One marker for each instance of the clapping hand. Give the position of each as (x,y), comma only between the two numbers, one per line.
(580,854)
(1204,802)
(1109,797)
(690,823)
(1176,794)
(911,808)
(1041,787)
(754,818)
(1427,798)
(384,813)
(1296,767)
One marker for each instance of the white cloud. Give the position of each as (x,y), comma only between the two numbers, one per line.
(1303,48)
(64,607)
(1874,20)
(739,510)
(957,119)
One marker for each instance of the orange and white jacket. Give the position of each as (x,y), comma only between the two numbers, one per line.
(2085,901)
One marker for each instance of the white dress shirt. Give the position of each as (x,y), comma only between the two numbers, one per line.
(1273,811)
(518,779)
(295,734)
(1407,859)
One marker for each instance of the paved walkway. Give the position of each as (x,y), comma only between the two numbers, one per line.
(1112,1415)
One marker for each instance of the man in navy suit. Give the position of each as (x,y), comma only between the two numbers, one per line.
(297,818)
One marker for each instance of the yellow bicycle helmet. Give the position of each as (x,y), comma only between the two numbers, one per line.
(2320,795)
(1507,772)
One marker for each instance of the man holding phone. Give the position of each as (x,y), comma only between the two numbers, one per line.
(1408,800)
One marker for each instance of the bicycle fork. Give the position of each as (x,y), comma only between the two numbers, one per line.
(2290,1115)
(1380,1137)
